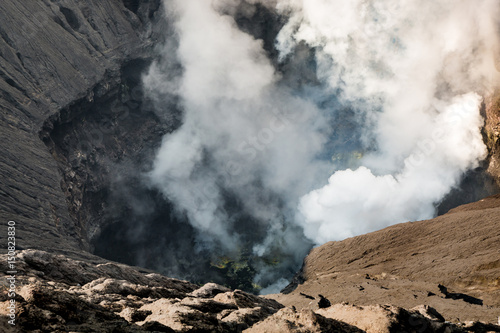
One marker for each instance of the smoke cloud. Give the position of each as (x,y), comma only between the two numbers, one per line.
(369,116)
(411,70)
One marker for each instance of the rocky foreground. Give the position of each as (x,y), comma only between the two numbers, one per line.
(57,294)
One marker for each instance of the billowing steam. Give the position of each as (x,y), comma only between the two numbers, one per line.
(368,117)
(410,69)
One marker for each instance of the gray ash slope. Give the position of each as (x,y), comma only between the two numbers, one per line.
(58,59)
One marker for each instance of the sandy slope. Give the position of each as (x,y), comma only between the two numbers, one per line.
(403,265)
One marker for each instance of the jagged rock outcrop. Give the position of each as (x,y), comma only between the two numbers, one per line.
(386,318)
(290,320)
(58,294)
(349,318)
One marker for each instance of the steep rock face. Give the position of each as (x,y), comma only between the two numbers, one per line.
(53,53)
(492,134)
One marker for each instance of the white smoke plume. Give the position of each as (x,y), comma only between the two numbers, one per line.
(411,74)
(243,139)
(355,202)
(412,68)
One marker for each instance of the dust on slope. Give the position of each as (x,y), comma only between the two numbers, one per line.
(403,265)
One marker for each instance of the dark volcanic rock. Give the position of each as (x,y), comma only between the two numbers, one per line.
(323,302)
(53,53)
(466,298)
